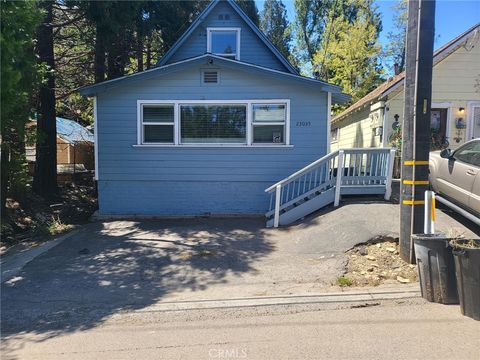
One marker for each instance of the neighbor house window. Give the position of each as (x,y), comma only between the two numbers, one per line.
(213,124)
(158,123)
(334,134)
(269,123)
(224,42)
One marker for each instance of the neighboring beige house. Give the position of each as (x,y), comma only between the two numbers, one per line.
(455,101)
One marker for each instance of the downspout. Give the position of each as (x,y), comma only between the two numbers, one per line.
(329,119)
(385,124)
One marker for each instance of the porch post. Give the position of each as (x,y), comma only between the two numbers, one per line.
(388,184)
(276,219)
(339,177)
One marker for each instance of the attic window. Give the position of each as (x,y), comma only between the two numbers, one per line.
(210,77)
(224,42)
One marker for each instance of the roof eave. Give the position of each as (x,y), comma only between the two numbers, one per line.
(163,60)
(92,90)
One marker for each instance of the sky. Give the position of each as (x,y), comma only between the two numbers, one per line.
(452,17)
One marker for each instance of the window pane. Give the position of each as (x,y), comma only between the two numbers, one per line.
(268,113)
(158,113)
(469,154)
(224,42)
(158,133)
(213,123)
(271,134)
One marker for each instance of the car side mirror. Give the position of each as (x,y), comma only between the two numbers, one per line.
(446,153)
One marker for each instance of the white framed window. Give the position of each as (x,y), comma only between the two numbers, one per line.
(224,41)
(213,123)
(268,123)
(334,134)
(158,123)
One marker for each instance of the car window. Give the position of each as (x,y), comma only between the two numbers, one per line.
(470,153)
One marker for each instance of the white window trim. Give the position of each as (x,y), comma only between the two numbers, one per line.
(334,141)
(249,124)
(469,119)
(448,106)
(141,124)
(209,39)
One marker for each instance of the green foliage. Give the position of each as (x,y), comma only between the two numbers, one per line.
(19,73)
(73,49)
(250,8)
(275,25)
(313,24)
(344,281)
(348,55)
(394,51)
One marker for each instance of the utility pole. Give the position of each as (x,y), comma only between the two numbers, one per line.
(416,121)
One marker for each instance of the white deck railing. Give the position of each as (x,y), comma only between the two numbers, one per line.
(360,169)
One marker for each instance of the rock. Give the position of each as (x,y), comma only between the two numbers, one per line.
(390,249)
(375,265)
(370,257)
(370,269)
(402,280)
(362,250)
(412,266)
(363,272)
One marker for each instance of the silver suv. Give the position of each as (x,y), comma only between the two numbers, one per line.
(456,174)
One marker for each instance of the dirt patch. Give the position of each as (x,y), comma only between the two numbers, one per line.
(32,220)
(377,262)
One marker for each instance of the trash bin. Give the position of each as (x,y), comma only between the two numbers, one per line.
(467,266)
(436,268)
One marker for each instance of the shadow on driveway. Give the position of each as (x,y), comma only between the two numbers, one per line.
(125,265)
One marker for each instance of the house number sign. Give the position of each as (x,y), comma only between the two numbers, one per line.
(303,124)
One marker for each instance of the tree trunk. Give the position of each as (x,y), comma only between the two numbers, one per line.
(149,53)
(99,56)
(115,59)
(5,162)
(45,179)
(140,55)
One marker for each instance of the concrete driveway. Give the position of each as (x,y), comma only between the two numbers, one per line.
(117,266)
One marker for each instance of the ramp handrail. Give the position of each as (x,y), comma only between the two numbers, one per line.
(355,167)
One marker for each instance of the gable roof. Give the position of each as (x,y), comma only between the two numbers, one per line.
(245,18)
(337,95)
(394,83)
(72,132)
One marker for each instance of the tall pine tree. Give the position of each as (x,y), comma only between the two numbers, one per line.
(19,71)
(274,24)
(250,8)
(394,51)
(45,177)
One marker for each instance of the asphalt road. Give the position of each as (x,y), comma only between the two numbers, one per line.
(409,330)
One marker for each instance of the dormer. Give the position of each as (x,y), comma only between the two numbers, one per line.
(225,30)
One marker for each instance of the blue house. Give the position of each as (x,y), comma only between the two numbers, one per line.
(221,117)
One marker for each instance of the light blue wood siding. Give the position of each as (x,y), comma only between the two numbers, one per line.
(252,49)
(192,181)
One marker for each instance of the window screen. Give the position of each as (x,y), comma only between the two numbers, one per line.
(224,43)
(158,123)
(213,124)
(269,123)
